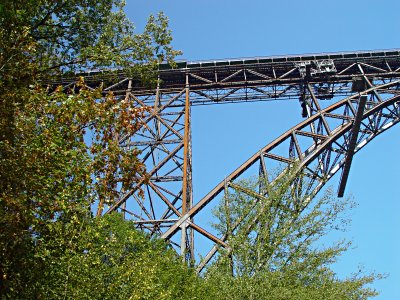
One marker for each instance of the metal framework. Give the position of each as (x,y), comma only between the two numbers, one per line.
(347,99)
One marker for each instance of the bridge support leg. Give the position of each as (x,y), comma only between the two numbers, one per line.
(352,145)
(187,246)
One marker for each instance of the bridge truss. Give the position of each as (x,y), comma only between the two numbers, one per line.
(347,99)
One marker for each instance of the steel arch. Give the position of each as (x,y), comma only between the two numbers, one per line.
(328,153)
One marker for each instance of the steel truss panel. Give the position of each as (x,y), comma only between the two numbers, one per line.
(320,146)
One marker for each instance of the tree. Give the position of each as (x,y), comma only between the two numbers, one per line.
(274,252)
(106,258)
(48,171)
(50,37)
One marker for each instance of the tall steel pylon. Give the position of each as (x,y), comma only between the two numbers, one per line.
(347,99)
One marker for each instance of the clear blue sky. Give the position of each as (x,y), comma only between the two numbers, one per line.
(225,136)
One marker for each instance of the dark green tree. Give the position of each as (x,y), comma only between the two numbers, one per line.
(106,258)
(49,173)
(274,251)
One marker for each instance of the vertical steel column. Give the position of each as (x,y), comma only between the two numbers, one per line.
(187,246)
(352,144)
(128,92)
(100,207)
(157,123)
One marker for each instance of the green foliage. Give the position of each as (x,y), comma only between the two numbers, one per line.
(59,150)
(274,252)
(105,258)
(289,285)
(55,36)
(52,172)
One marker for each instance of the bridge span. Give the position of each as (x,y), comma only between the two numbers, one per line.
(346,100)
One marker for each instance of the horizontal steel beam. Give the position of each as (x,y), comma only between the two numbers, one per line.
(259,71)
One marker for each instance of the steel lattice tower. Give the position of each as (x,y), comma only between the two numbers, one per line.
(347,99)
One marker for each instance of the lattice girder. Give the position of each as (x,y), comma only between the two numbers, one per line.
(324,158)
(329,132)
(328,87)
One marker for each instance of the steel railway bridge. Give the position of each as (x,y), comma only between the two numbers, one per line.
(346,99)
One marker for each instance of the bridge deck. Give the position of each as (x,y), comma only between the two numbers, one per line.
(250,71)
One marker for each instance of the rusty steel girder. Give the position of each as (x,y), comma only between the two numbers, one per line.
(347,100)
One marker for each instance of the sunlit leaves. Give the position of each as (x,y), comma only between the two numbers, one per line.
(59,150)
(274,252)
(106,258)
